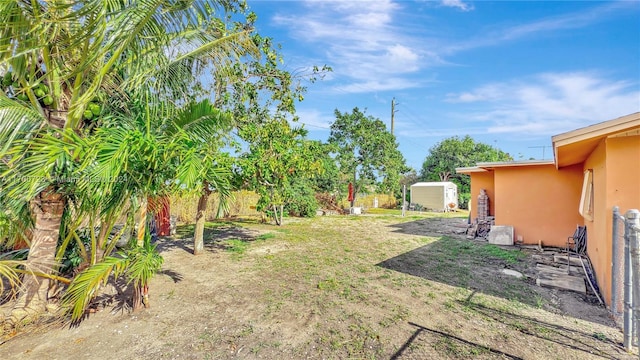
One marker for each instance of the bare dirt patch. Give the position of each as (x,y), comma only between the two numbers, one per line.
(375,287)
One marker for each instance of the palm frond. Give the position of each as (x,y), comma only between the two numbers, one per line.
(201,121)
(84,287)
(145,263)
(8,272)
(19,122)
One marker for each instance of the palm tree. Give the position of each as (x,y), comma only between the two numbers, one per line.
(56,57)
(154,149)
(203,167)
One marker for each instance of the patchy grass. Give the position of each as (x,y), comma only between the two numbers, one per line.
(337,288)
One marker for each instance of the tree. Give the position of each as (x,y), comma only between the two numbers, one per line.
(152,150)
(409,178)
(278,154)
(55,58)
(203,167)
(366,151)
(447,155)
(261,97)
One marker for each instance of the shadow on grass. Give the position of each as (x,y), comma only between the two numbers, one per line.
(451,344)
(217,236)
(467,264)
(558,334)
(434,226)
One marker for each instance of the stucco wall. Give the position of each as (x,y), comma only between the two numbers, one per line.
(539,201)
(616,164)
(623,172)
(598,229)
(482,180)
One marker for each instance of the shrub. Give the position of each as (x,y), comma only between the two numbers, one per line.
(463,200)
(300,200)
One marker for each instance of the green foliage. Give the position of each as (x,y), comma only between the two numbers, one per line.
(366,152)
(137,265)
(85,286)
(454,152)
(10,264)
(74,252)
(463,200)
(300,199)
(278,156)
(67,64)
(262,96)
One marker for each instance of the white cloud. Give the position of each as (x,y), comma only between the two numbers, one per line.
(550,103)
(314,119)
(371,49)
(572,20)
(378,85)
(363,41)
(457,4)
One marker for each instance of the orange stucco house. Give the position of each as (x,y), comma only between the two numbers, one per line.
(594,169)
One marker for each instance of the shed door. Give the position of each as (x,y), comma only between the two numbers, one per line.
(451,195)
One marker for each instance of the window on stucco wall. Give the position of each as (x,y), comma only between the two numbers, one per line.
(586,198)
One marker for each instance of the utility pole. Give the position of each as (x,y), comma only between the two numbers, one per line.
(538,147)
(393,112)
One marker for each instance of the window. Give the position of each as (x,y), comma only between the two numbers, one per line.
(586,198)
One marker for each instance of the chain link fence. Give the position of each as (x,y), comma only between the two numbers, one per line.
(625,273)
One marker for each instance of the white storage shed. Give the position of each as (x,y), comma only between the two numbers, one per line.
(438,196)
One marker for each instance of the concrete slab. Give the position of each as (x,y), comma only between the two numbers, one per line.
(562,259)
(501,235)
(561,269)
(563,282)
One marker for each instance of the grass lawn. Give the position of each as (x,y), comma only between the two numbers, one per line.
(376,286)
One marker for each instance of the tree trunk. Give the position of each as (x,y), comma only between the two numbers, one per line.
(102,236)
(198,236)
(47,207)
(140,293)
(141,226)
(140,297)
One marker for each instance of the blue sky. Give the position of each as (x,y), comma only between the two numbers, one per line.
(509,73)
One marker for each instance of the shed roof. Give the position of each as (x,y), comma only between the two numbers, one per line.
(434,183)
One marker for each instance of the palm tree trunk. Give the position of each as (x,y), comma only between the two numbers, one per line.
(141,226)
(138,290)
(198,236)
(140,297)
(48,207)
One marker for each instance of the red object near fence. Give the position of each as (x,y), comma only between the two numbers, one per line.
(350,198)
(161,211)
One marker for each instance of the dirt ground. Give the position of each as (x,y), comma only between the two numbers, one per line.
(336,287)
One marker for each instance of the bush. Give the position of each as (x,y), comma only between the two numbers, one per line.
(301,200)
(463,200)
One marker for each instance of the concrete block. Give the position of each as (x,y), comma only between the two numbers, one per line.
(356,210)
(564,282)
(501,235)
